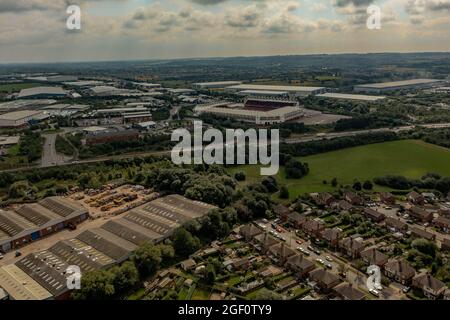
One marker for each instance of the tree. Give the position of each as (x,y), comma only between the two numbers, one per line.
(367,185)
(240,176)
(125,277)
(357,186)
(184,242)
(210,274)
(265,294)
(425,247)
(147,259)
(96,285)
(284,192)
(334,182)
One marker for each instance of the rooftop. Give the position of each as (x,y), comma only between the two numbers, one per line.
(18,115)
(41,90)
(275,88)
(345,96)
(399,83)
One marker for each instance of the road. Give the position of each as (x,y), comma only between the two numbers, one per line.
(50,157)
(353,276)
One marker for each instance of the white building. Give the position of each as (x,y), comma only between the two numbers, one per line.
(18,119)
(354,97)
(399,85)
(216,85)
(42,92)
(296,91)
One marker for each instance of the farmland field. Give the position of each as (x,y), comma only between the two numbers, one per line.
(409,158)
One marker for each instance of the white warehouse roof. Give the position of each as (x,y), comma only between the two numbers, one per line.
(17,115)
(275,88)
(41,91)
(345,96)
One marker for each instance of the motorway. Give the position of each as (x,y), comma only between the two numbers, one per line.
(353,276)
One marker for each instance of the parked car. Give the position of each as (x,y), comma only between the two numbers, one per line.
(1,256)
(18,254)
(406,289)
(329,258)
(299,241)
(328,265)
(374,292)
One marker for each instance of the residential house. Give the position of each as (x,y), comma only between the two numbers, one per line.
(347,291)
(300,265)
(372,256)
(353,198)
(324,280)
(432,288)
(420,214)
(400,271)
(322,199)
(387,198)
(396,225)
(313,227)
(188,264)
(442,223)
(429,196)
(280,252)
(445,245)
(420,233)
(282,211)
(249,231)
(265,241)
(373,215)
(344,206)
(240,264)
(351,246)
(296,219)
(415,198)
(444,211)
(331,236)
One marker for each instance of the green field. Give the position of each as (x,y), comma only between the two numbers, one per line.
(14,87)
(409,158)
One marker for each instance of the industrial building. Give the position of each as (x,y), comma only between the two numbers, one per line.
(42,92)
(216,85)
(30,222)
(279,115)
(42,275)
(264,94)
(293,91)
(19,119)
(352,97)
(110,136)
(146,86)
(399,85)
(105,91)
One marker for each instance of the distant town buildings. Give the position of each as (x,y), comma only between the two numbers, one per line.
(398,85)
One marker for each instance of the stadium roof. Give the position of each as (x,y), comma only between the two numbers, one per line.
(275,88)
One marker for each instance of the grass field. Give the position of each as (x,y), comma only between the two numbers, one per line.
(409,158)
(14,87)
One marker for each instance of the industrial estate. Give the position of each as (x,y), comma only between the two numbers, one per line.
(87,180)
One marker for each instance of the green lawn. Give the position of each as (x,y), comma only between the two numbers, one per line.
(201,294)
(409,158)
(14,87)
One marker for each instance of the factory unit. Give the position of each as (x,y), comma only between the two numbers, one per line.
(351,97)
(136,117)
(146,86)
(279,115)
(216,85)
(110,136)
(293,91)
(97,248)
(19,119)
(42,93)
(31,222)
(399,85)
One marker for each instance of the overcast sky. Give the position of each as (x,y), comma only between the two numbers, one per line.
(35,30)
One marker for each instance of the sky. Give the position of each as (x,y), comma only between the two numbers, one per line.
(35,30)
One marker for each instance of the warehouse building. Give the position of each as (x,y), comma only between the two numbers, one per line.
(146,86)
(399,85)
(6,142)
(19,119)
(42,92)
(216,85)
(110,136)
(279,115)
(30,222)
(293,91)
(98,248)
(351,97)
